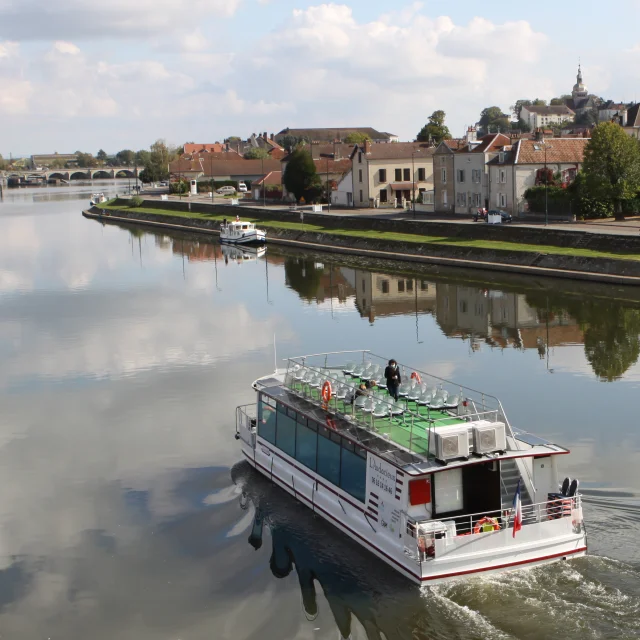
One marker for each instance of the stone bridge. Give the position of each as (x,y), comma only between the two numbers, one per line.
(101,173)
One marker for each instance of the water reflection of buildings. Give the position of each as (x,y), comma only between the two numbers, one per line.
(314,280)
(380,294)
(482,316)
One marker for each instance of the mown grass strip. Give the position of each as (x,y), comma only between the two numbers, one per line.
(372,234)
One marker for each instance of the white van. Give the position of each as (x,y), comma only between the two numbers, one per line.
(242,187)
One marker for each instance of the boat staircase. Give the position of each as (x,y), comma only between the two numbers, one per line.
(509,476)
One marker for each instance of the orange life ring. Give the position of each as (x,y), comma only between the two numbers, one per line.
(326,391)
(331,423)
(416,376)
(480,525)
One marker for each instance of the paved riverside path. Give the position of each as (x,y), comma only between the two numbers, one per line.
(609,226)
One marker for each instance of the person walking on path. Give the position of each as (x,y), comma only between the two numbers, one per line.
(392,374)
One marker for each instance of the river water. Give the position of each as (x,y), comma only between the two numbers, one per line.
(125,512)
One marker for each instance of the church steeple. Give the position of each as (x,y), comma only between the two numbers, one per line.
(579,88)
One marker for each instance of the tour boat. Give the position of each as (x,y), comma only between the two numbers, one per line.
(438,484)
(97,198)
(240,232)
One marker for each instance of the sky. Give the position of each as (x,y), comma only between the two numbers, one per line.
(85,75)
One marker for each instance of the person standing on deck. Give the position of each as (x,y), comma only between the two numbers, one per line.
(392,374)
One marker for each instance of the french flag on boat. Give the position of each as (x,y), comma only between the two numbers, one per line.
(517,510)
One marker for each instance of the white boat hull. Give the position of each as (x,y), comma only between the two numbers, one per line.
(253,236)
(496,551)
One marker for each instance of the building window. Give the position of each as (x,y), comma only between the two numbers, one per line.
(360,195)
(383,195)
(503,176)
(476,199)
(398,175)
(360,157)
(267,420)
(384,286)
(444,176)
(307,443)
(382,175)
(286,431)
(400,286)
(460,175)
(353,470)
(444,198)
(409,285)
(503,199)
(329,455)
(359,175)
(407,175)
(461,199)
(421,174)
(424,285)
(475,175)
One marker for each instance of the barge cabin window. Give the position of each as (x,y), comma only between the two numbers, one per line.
(314,445)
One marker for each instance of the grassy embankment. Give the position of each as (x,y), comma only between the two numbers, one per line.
(371,234)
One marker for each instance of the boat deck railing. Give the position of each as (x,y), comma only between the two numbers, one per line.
(418,545)
(415,427)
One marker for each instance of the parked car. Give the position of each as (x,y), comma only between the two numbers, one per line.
(482,214)
(226,191)
(242,187)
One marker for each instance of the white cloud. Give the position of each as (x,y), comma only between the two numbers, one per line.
(78,19)
(66,47)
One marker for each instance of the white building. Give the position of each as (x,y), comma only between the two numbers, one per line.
(542,117)
(342,195)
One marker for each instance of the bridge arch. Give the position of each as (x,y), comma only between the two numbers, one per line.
(80,175)
(59,175)
(125,173)
(101,174)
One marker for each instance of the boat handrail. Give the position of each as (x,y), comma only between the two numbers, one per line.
(294,367)
(550,509)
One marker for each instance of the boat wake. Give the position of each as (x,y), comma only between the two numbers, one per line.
(591,597)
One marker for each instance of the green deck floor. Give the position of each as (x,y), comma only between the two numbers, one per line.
(398,429)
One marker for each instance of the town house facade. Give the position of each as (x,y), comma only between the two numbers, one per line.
(444,174)
(387,175)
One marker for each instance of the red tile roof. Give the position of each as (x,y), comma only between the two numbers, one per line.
(197,147)
(559,150)
(398,150)
(232,166)
(271,178)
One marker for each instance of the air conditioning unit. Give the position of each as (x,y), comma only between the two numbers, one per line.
(448,443)
(489,437)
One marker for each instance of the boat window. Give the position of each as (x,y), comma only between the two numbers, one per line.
(306,446)
(353,474)
(286,432)
(448,490)
(266,421)
(244,226)
(328,456)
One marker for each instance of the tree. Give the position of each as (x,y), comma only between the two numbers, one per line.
(303,276)
(290,142)
(142,157)
(126,158)
(560,100)
(435,130)
(300,175)
(493,120)
(355,137)
(102,155)
(521,125)
(256,153)
(612,166)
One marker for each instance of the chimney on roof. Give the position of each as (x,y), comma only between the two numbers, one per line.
(539,134)
(273,136)
(367,146)
(264,135)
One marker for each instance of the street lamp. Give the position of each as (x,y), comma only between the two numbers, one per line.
(328,156)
